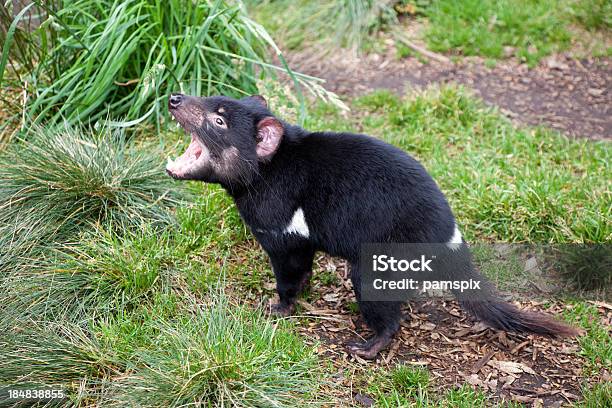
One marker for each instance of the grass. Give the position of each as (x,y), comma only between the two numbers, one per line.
(100,272)
(472,27)
(64,180)
(91,60)
(169,354)
(402,385)
(407,386)
(126,308)
(302,23)
(527,29)
(598,396)
(587,266)
(592,14)
(596,345)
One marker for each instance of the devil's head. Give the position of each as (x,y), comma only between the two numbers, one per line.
(230,138)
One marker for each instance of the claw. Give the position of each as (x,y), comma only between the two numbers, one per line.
(282,310)
(370,349)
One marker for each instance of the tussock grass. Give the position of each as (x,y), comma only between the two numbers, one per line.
(60,181)
(119,310)
(122,310)
(102,272)
(344,23)
(587,267)
(172,353)
(225,356)
(529,30)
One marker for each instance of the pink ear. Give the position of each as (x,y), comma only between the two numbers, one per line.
(269,135)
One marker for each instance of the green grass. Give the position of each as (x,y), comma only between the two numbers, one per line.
(125,306)
(407,386)
(325,25)
(504,183)
(596,344)
(598,396)
(100,272)
(475,27)
(592,14)
(527,29)
(62,181)
(402,385)
(91,60)
(506,269)
(171,353)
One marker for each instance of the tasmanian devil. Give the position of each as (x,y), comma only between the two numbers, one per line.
(302,192)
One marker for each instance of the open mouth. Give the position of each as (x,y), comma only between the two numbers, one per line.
(186,164)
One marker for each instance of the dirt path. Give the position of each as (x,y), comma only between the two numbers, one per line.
(572,96)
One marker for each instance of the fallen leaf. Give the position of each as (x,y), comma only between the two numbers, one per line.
(331,297)
(510,367)
(427,326)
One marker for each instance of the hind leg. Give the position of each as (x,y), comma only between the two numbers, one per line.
(382,317)
(292,269)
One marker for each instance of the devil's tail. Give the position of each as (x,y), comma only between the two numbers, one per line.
(505,316)
(487,306)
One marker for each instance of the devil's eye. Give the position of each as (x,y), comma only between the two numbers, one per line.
(219,121)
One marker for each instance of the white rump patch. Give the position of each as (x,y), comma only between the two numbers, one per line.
(298,224)
(456,240)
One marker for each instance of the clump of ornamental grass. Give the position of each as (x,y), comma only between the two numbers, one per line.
(170,354)
(345,23)
(59,181)
(586,266)
(104,270)
(86,60)
(223,355)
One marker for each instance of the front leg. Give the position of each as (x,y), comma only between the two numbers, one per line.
(292,269)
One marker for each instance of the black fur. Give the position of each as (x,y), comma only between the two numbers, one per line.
(352,188)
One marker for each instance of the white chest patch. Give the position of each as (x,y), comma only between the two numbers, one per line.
(456,240)
(298,224)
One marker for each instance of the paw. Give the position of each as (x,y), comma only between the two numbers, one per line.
(282,310)
(370,349)
(363,351)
